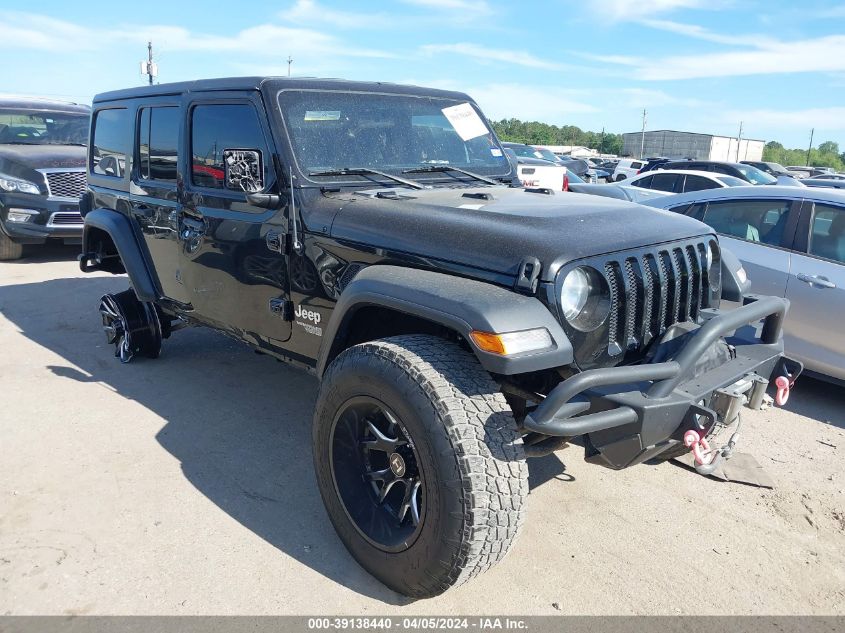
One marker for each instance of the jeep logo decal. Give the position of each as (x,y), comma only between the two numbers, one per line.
(308,315)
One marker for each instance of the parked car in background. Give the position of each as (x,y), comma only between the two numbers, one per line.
(627,168)
(821,181)
(828,176)
(537,173)
(42,172)
(737,170)
(619,192)
(773,169)
(792,243)
(668,182)
(802,171)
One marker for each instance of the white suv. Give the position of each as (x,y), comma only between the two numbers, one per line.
(627,168)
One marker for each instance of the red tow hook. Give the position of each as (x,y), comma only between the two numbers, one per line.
(699,446)
(783,384)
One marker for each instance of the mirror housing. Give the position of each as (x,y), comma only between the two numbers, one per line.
(264,200)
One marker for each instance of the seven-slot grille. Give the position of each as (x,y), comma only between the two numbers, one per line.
(652,291)
(66,184)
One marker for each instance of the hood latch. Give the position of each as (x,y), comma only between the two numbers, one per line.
(529,273)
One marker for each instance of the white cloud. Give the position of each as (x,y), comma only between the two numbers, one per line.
(468,7)
(485,54)
(624,10)
(824,54)
(699,32)
(827,119)
(308,11)
(20,30)
(530,103)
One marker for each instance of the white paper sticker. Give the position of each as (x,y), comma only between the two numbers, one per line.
(496,151)
(466,121)
(322,115)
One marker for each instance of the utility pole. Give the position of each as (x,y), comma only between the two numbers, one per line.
(738,141)
(810,149)
(290,61)
(601,146)
(149,67)
(642,138)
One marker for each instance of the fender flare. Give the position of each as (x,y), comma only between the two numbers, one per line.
(457,303)
(119,228)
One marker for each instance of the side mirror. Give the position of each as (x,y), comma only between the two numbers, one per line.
(735,281)
(243,170)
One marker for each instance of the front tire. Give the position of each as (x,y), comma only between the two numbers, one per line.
(420,410)
(9,250)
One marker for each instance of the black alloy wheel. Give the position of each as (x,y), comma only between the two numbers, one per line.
(132,326)
(376,473)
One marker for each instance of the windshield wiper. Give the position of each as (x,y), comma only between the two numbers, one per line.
(366,171)
(431,169)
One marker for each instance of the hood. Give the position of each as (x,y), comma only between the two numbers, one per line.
(459,226)
(42,156)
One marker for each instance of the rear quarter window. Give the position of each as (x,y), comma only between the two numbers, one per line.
(111,144)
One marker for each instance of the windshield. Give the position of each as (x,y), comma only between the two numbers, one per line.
(548,155)
(573,177)
(33,127)
(755,176)
(732,181)
(332,131)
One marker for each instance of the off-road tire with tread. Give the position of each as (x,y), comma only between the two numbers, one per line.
(469,450)
(9,250)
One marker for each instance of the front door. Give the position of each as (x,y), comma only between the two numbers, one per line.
(816,291)
(234,277)
(153,193)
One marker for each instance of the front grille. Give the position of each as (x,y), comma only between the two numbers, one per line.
(66,184)
(651,291)
(65,218)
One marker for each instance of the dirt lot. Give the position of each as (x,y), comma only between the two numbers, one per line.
(184,486)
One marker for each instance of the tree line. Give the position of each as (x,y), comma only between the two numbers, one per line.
(827,154)
(536,133)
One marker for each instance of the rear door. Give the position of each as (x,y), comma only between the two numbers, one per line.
(759,232)
(236,279)
(154,193)
(816,290)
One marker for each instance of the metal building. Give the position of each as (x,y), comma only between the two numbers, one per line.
(674,144)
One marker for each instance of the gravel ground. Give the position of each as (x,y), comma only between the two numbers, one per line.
(184,486)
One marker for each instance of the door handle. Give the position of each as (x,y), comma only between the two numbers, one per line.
(816,280)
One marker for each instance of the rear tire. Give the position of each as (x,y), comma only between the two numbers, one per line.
(457,437)
(9,250)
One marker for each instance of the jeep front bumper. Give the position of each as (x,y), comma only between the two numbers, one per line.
(633,413)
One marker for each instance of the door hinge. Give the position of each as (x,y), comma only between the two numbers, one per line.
(529,273)
(276,242)
(282,308)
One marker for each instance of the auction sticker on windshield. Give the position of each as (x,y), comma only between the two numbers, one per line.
(465,120)
(322,115)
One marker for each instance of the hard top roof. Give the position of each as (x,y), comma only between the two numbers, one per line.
(256,83)
(42,103)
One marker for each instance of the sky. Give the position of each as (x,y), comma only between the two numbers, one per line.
(694,65)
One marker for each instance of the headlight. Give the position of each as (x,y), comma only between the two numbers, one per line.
(584,298)
(11,185)
(574,293)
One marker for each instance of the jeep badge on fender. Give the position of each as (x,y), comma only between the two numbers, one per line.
(376,235)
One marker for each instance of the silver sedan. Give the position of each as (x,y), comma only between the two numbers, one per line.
(792,243)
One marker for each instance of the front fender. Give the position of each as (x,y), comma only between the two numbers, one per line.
(119,229)
(459,304)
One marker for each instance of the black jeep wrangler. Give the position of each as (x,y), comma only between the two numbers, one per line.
(372,234)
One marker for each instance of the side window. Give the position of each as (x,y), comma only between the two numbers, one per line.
(215,131)
(721,169)
(698,183)
(158,139)
(644,183)
(636,165)
(664,182)
(827,237)
(112,140)
(751,220)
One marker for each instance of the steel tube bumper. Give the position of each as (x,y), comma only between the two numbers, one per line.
(651,401)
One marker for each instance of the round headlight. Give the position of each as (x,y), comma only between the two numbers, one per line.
(585,298)
(574,294)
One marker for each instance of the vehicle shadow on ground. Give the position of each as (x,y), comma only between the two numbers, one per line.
(34,254)
(819,400)
(239,423)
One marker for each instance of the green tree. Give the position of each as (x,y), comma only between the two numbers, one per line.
(829,147)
